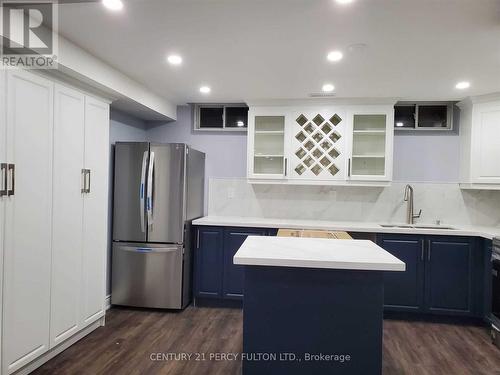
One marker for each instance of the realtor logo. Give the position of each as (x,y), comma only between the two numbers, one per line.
(29,34)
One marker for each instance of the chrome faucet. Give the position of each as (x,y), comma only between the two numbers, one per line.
(410,217)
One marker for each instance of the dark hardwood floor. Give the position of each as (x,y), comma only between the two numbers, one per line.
(131,337)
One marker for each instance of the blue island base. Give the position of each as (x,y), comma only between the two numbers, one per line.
(312,321)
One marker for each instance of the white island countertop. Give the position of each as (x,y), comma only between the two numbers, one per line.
(316,253)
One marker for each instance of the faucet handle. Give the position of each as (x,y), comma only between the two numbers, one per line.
(418,215)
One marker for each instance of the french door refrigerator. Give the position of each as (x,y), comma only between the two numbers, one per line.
(158,191)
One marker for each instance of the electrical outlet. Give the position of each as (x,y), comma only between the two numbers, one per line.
(230,193)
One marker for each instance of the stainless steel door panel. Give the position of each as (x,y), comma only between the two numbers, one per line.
(147,275)
(166,224)
(129,191)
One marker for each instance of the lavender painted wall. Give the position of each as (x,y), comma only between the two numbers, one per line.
(226,152)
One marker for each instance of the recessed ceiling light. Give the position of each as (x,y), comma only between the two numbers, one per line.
(344,1)
(334,56)
(328,87)
(205,89)
(113,4)
(462,85)
(174,59)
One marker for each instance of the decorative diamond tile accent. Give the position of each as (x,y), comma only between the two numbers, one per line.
(309,145)
(325,162)
(326,145)
(334,136)
(333,170)
(301,153)
(301,120)
(318,119)
(318,137)
(309,128)
(335,120)
(300,169)
(327,128)
(316,169)
(334,153)
(301,137)
(308,161)
(317,153)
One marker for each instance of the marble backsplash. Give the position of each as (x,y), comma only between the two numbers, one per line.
(439,201)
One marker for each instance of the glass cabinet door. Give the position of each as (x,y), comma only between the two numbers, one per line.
(269,146)
(369,135)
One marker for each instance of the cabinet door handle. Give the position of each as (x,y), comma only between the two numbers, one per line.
(3,181)
(88,181)
(428,250)
(422,250)
(12,170)
(198,239)
(84,181)
(286,166)
(349,167)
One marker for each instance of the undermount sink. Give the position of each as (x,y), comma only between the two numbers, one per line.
(423,226)
(433,227)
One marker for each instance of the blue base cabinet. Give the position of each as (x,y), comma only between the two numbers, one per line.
(215,274)
(403,291)
(208,260)
(442,273)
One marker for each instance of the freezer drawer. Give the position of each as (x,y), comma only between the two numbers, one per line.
(147,275)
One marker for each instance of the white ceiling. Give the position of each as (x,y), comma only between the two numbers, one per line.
(276,49)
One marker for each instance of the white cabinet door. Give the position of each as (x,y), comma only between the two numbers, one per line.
(3,159)
(318,144)
(486,143)
(27,253)
(370,140)
(95,221)
(67,235)
(267,143)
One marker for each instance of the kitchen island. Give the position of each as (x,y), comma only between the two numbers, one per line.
(313,306)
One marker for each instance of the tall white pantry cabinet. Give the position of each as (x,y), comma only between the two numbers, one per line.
(54,150)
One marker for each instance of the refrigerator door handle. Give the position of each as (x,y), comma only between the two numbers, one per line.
(149,199)
(141,190)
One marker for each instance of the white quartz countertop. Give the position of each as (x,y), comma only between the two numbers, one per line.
(241,221)
(316,253)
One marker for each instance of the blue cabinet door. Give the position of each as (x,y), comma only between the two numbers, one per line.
(448,276)
(403,291)
(208,263)
(234,275)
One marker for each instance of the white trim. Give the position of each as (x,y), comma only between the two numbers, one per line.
(107,302)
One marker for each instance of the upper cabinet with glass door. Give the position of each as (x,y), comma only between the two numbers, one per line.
(266,144)
(372,143)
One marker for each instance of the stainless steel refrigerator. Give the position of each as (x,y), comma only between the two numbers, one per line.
(158,191)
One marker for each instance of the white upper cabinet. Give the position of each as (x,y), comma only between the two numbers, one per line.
(480,143)
(371,143)
(329,144)
(318,144)
(267,146)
